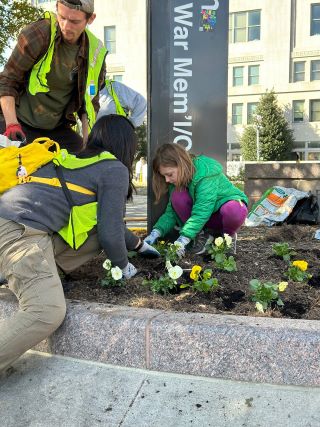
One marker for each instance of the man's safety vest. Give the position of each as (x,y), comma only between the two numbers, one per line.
(97,52)
(119,110)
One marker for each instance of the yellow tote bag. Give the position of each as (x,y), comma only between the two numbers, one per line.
(17,163)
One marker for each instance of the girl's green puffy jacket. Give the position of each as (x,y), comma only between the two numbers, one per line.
(209,190)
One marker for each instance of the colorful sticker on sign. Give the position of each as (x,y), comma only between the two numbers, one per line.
(208,20)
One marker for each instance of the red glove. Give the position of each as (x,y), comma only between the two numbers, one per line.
(15,132)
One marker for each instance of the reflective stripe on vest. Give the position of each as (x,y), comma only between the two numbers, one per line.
(55,182)
(97,52)
(112,93)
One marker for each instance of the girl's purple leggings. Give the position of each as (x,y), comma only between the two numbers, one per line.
(228,219)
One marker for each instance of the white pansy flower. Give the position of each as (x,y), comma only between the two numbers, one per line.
(107,264)
(168,264)
(175,272)
(259,307)
(116,273)
(218,241)
(228,239)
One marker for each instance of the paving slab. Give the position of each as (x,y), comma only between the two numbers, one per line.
(256,349)
(57,391)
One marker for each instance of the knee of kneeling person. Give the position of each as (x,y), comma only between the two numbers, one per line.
(57,315)
(51,316)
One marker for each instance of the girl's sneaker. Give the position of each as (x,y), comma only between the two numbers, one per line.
(201,242)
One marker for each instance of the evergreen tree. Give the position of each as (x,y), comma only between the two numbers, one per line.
(15,14)
(249,144)
(275,136)
(142,149)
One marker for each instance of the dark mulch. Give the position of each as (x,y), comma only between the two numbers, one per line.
(254,260)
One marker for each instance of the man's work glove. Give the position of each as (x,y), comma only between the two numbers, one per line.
(153,237)
(147,251)
(129,271)
(15,132)
(181,244)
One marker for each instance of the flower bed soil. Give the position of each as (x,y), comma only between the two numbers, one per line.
(254,259)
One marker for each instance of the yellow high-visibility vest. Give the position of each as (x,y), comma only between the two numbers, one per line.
(97,52)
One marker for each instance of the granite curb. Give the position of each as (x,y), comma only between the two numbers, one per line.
(252,349)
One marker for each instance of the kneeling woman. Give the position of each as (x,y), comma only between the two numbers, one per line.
(32,214)
(202,200)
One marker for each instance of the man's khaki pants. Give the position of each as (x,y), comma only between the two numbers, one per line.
(28,260)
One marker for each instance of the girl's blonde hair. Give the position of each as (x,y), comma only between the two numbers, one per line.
(171,155)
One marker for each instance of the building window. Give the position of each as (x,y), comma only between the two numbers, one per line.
(254,25)
(237,114)
(253,74)
(238,76)
(315,70)
(117,77)
(315,110)
(244,26)
(251,109)
(313,156)
(299,71)
(315,19)
(110,39)
(298,111)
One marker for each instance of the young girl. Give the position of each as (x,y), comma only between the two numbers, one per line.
(32,214)
(202,201)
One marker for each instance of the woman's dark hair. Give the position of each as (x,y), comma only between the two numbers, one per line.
(115,134)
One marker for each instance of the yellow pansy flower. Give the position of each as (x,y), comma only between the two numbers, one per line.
(282,286)
(302,265)
(195,272)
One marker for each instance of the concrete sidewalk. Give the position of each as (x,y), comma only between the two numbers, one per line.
(57,391)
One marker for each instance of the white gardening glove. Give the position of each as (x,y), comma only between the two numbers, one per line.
(181,244)
(129,271)
(152,237)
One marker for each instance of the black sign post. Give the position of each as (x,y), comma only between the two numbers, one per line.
(187,79)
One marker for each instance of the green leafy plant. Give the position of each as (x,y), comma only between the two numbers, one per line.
(113,276)
(202,280)
(15,14)
(167,250)
(167,282)
(283,250)
(297,271)
(219,253)
(263,294)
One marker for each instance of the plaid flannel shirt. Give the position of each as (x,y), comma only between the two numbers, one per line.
(32,44)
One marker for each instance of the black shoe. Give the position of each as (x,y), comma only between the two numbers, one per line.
(201,243)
